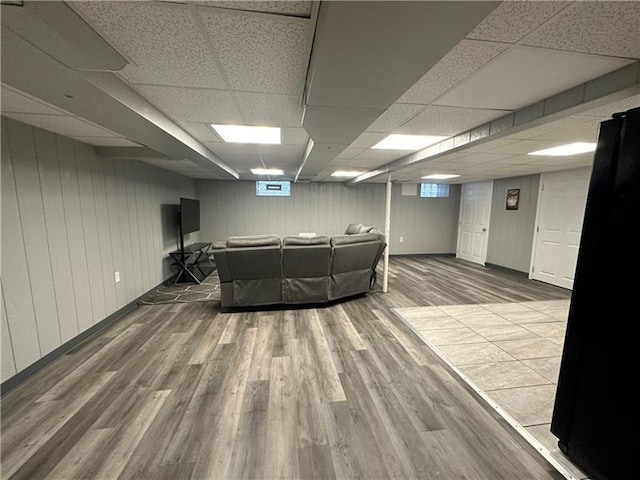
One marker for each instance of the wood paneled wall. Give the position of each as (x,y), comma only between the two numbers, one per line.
(428,225)
(511,231)
(70,219)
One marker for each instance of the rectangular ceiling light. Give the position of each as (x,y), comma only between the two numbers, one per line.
(440,176)
(245,134)
(407,142)
(566,150)
(345,173)
(267,171)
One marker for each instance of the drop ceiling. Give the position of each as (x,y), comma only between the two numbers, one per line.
(246,63)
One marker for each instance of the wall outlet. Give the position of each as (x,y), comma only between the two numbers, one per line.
(401,239)
(117,275)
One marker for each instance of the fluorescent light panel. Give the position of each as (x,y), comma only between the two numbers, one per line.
(246,134)
(345,173)
(566,150)
(440,176)
(267,171)
(407,142)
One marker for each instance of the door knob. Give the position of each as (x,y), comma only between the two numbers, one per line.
(484,229)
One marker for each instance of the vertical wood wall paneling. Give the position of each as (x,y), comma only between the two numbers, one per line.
(115,214)
(90,229)
(511,231)
(232,208)
(75,233)
(36,247)
(104,233)
(8,357)
(69,220)
(54,216)
(17,289)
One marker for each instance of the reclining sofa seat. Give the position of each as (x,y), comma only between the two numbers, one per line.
(262,270)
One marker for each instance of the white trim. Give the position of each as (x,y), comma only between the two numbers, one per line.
(536,227)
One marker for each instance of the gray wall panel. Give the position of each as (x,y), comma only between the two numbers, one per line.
(232,208)
(15,277)
(8,360)
(511,231)
(69,220)
(56,233)
(104,234)
(90,228)
(75,232)
(32,218)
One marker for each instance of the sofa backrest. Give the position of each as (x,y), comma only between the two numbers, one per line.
(306,257)
(355,252)
(254,257)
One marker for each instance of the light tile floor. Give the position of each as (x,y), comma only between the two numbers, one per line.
(511,351)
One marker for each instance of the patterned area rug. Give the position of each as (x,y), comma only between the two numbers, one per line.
(207,291)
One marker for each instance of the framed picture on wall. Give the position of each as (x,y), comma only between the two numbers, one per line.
(513,198)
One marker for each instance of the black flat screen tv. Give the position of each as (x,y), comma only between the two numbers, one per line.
(189,215)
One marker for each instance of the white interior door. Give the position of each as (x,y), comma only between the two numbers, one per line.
(561,205)
(473,228)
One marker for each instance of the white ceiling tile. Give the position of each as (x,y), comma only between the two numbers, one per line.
(163,42)
(379,156)
(270,110)
(524,75)
(606,111)
(395,116)
(604,28)
(438,120)
(287,151)
(18,102)
(585,132)
(511,21)
(63,124)
(201,131)
(294,8)
(107,141)
(350,153)
(548,127)
(367,140)
(260,54)
(526,146)
(294,136)
(193,105)
(464,59)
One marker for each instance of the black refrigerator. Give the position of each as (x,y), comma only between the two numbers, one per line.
(596,415)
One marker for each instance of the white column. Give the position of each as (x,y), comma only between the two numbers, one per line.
(387,236)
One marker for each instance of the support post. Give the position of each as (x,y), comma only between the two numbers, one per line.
(387,236)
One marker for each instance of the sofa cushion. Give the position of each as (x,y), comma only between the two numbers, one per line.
(353,228)
(366,229)
(253,241)
(321,240)
(355,238)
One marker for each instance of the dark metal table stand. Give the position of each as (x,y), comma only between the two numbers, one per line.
(190,261)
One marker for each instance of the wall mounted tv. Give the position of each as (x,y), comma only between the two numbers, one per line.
(189,218)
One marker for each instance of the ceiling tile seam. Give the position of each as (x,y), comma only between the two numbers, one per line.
(543,24)
(195,13)
(250,13)
(213,89)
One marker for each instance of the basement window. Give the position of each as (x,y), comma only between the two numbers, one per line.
(434,190)
(266,188)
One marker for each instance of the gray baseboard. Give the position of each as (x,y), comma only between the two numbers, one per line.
(23,375)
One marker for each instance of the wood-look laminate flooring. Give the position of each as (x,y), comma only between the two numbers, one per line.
(344,391)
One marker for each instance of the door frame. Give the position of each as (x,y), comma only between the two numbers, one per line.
(536,225)
(485,248)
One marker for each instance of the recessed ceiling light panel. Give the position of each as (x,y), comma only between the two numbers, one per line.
(345,173)
(440,176)
(267,171)
(566,150)
(407,142)
(248,134)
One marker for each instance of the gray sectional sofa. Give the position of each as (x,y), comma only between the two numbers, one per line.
(264,269)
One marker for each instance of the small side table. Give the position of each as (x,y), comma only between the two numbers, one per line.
(190,262)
